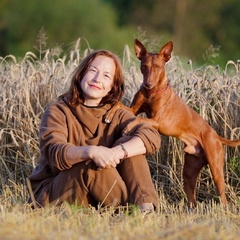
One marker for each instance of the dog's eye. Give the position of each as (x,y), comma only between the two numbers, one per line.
(143,68)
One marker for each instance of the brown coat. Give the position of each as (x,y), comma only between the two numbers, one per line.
(63,126)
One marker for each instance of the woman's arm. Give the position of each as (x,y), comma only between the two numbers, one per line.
(132,147)
(103,156)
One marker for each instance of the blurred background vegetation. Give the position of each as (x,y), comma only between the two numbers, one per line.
(203,31)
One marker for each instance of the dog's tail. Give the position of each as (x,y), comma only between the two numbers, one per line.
(232,143)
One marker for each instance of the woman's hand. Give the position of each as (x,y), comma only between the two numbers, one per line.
(105,157)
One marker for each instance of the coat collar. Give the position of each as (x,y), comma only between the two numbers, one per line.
(90,117)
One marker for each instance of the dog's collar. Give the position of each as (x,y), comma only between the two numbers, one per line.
(160,90)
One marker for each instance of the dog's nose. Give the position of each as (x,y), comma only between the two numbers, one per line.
(147,84)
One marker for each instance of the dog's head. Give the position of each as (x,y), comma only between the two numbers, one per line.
(153,64)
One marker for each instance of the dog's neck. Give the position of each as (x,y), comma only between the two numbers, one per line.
(157,91)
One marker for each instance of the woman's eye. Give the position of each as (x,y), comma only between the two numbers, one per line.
(92,70)
(107,76)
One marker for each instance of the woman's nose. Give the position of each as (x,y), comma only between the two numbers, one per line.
(97,77)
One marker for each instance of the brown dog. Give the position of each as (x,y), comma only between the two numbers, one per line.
(172,117)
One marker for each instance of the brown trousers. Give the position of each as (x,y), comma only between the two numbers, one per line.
(129,183)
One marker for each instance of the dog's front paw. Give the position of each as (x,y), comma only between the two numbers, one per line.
(109,115)
(128,128)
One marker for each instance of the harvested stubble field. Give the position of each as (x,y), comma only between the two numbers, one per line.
(29,84)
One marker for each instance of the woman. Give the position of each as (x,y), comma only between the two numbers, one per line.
(86,161)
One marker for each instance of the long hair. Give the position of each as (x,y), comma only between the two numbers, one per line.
(74,95)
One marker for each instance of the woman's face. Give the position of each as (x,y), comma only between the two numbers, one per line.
(98,80)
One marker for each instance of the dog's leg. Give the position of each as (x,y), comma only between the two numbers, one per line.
(111,112)
(215,156)
(135,108)
(218,177)
(191,169)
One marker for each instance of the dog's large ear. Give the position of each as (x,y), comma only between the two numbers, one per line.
(140,50)
(166,51)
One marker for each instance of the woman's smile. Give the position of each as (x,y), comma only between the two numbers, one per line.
(94,86)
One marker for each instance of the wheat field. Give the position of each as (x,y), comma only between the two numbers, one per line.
(30,83)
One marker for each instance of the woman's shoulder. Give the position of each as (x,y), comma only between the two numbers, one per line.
(56,107)
(59,103)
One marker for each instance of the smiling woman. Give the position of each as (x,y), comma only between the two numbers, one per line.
(85,160)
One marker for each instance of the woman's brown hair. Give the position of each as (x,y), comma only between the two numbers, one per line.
(74,95)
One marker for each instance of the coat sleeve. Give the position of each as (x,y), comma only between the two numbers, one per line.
(149,135)
(53,138)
